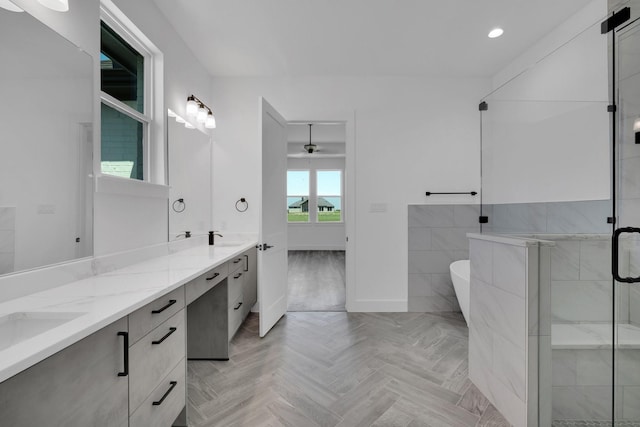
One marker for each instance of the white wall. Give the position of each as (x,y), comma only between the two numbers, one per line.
(317,236)
(546,133)
(412,134)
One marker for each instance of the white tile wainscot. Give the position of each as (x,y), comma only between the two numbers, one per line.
(503,329)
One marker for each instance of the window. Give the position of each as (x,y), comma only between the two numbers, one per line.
(314,196)
(298,196)
(125,123)
(329,193)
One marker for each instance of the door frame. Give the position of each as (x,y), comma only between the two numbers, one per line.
(349,177)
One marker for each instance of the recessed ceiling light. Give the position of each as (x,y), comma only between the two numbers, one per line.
(496,32)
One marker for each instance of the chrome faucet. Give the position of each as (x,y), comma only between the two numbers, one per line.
(212,237)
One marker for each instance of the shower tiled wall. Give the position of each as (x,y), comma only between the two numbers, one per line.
(552,217)
(437,237)
(581,280)
(7,239)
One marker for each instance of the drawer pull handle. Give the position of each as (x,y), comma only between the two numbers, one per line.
(239,305)
(169,304)
(246,263)
(237,275)
(164,396)
(171,330)
(125,335)
(237,261)
(214,276)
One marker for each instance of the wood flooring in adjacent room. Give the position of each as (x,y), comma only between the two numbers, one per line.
(316,281)
(342,369)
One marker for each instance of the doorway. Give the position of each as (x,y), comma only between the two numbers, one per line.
(316,154)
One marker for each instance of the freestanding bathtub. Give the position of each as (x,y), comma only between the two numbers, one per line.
(461,276)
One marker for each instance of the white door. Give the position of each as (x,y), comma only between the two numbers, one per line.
(272,253)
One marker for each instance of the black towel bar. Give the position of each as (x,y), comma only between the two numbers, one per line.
(473,193)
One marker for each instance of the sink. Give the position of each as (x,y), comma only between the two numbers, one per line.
(20,326)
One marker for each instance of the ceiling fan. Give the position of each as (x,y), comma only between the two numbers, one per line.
(310,147)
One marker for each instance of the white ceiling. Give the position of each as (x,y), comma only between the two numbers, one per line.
(361,37)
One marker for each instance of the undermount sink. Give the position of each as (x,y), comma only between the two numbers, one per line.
(20,326)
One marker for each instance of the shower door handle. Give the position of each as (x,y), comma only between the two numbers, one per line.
(615,254)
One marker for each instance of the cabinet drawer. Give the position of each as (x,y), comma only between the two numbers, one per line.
(197,287)
(236,315)
(154,356)
(235,284)
(236,264)
(164,412)
(143,320)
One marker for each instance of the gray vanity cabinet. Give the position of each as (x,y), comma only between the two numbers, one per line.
(250,284)
(78,386)
(157,374)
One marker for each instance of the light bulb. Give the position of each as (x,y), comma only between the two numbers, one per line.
(57,5)
(189,125)
(192,106)
(496,32)
(6,4)
(210,123)
(202,114)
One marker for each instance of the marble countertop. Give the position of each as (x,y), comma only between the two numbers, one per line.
(100,300)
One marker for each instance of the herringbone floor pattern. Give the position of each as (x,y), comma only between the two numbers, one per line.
(342,369)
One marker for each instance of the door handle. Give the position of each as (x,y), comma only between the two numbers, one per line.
(265,247)
(615,254)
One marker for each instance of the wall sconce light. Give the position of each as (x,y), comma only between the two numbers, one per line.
(636,129)
(201,112)
(7,4)
(57,5)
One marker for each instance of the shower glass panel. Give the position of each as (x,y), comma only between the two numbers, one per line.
(627,240)
(546,175)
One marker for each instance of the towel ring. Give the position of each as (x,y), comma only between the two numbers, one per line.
(181,205)
(242,205)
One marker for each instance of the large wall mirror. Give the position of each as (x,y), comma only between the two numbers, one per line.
(189,179)
(46,162)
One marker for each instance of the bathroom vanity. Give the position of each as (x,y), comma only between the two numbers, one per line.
(111,350)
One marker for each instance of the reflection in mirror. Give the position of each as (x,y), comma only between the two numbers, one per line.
(189,179)
(46,192)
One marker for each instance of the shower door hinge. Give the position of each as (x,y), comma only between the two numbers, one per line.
(612,108)
(611,220)
(616,19)
(483,220)
(483,106)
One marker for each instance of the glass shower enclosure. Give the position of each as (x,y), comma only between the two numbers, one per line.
(561,165)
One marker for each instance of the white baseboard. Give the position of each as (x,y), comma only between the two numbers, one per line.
(377,306)
(317,248)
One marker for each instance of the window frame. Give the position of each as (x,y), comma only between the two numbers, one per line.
(146,118)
